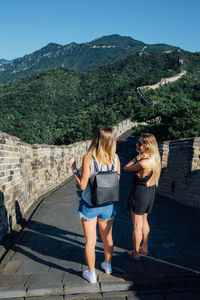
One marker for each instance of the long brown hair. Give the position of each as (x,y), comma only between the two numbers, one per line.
(151,146)
(103,146)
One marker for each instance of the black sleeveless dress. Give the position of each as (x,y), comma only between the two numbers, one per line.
(141,197)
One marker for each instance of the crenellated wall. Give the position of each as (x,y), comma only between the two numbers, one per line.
(180,177)
(27,172)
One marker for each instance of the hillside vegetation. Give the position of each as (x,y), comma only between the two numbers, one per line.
(177,104)
(60,106)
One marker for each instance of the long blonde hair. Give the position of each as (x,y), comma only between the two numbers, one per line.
(151,147)
(103,146)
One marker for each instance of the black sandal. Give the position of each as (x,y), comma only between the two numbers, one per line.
(143,252)
(134,255)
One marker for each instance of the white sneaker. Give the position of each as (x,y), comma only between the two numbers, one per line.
(90,276)
(106,267)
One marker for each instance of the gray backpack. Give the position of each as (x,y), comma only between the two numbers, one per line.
(105,187)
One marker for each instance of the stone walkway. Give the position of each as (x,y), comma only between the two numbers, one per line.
(47,260)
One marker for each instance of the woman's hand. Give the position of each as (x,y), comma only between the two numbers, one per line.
(72,163)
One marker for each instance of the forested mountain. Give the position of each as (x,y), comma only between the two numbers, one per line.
(60,106)
(4,61)
(177,104)
(77,57)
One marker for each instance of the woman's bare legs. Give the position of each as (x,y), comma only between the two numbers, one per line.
(137,231)
(145,233)
(105,228)
(89,228)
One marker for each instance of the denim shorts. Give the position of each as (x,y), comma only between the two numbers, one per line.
(103,213)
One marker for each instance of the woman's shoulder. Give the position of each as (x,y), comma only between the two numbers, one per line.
(144,162)
(87,158)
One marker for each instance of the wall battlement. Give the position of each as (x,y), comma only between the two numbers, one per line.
(28,172)
(180,177)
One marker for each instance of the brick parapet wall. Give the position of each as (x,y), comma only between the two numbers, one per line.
(180,177)
(28,172)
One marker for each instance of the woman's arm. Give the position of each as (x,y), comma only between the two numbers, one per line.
(132,162)
(133,166)
(137,164)
(82,180)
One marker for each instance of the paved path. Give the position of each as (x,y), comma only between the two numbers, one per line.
(48,259)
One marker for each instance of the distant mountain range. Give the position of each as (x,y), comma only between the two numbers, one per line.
(77,57)
(5,61)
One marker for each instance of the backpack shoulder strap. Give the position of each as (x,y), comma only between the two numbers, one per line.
(96,168)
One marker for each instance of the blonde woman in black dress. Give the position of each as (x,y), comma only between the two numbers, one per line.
(146,169)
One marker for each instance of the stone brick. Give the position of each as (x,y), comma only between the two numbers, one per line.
(12,293)
(116,286)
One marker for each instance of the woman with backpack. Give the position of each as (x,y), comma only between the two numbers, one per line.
(101,160)
(146,169)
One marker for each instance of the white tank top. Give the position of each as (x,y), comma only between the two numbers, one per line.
(86,193)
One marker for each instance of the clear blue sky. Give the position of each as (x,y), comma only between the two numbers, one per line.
(28,25)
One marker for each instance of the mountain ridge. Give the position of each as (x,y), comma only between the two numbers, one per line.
(5,61)
(78,57)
